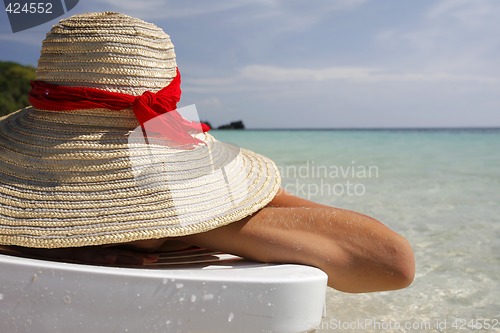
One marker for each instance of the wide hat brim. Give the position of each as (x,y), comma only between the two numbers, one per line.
(80,178)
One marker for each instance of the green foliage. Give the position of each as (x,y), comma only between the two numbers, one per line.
(14,86)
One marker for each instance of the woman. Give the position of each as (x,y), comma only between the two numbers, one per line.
(78,182)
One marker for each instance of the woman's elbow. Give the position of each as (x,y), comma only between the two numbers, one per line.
(402,264)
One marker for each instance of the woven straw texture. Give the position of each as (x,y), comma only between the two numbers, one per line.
(108,51)
(75,178)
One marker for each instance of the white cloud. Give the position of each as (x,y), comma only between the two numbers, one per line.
(264,78)
(170,9)
(288,15)
(467,13)
(281,74)
(213,102)
(456,36)
(297,15)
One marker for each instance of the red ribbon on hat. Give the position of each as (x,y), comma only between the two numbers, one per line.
(177,130)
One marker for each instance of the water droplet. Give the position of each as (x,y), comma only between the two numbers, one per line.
(1,297)
(28,322)
(208,297)
(67,299)
(179,285)
(165,281)
(168,322)
(193,298)
(203,310)
(224,287)
(46,92)
(231,317)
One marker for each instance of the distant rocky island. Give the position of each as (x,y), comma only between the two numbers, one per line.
(234,125)
(238,125)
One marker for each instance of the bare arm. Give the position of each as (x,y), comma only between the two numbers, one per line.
(358,253)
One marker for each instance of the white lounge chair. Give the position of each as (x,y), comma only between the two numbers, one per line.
(192,290)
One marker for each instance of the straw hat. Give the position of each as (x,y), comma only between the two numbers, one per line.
(90,176)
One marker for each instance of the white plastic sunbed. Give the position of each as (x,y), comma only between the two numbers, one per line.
(193,290)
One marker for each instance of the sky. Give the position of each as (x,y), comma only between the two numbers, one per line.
(321,63)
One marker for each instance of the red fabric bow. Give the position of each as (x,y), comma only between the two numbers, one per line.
(177,130)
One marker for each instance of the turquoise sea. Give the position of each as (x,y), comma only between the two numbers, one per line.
(438,188)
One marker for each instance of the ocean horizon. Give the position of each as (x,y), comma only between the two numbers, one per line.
(478,128)
(439,188)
